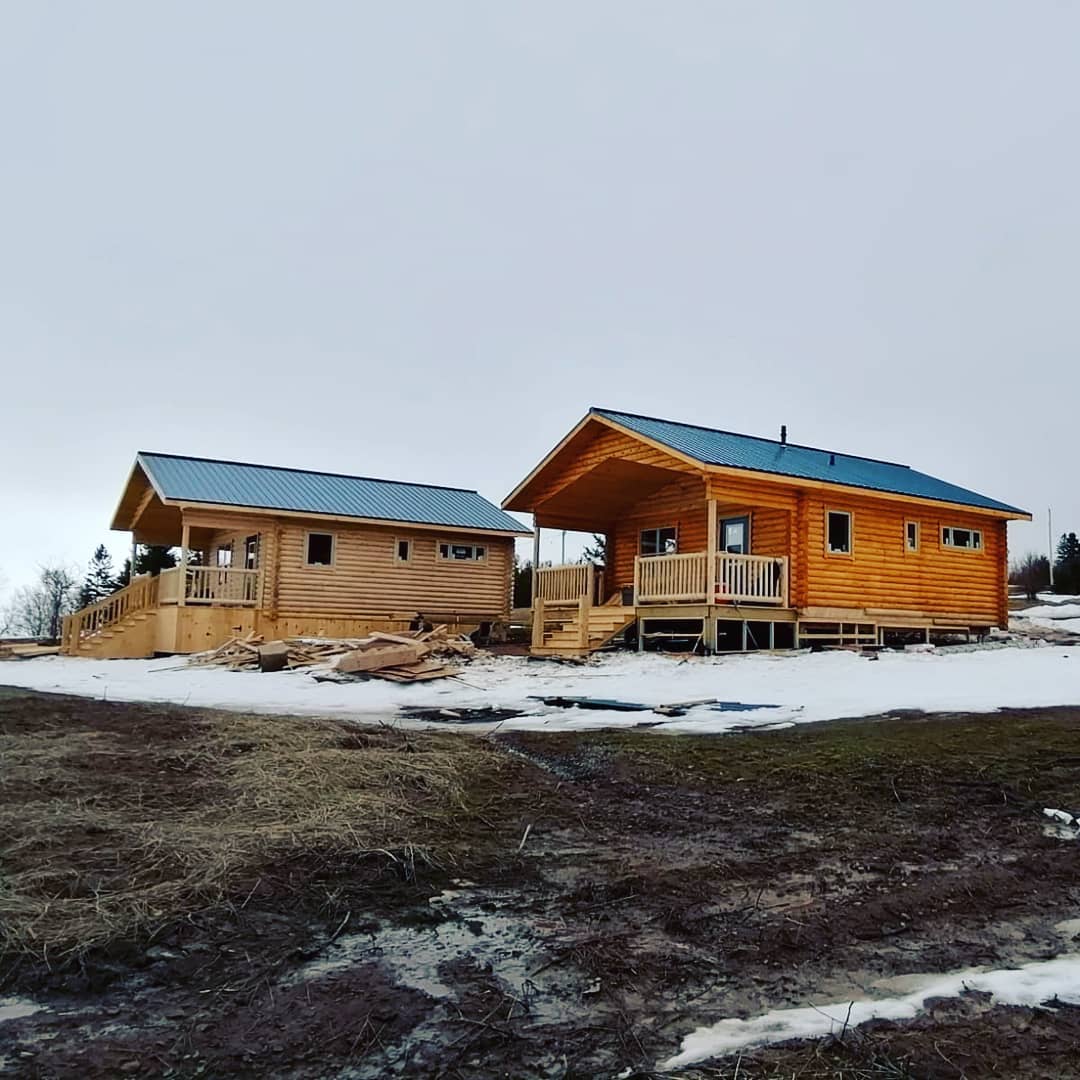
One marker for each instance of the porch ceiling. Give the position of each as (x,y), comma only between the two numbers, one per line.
(596,499)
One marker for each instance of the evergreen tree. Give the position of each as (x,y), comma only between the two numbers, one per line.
(1067,565)
(149,559)
(99,581)
(596,552)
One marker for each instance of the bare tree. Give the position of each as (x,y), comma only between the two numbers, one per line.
(1031,573)
(36,610)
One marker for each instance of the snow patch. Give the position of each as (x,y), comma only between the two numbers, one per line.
(1032,984)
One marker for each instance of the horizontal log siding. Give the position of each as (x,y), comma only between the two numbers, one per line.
(681,504)
(880,573)
(604,444)
(366,577)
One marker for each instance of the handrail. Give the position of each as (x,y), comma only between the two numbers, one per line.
(221,585)
(138,595)
(564,584)
(761,579)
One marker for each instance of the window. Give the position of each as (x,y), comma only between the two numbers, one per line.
(224,556)
(251,553)
(659,541)
(838,532)
(462,552)
(971,539)
(402,551)
(911,536)
(320,549)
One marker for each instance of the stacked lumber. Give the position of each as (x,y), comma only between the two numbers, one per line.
(411,657)
(11,650)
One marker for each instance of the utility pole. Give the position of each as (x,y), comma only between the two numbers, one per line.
(1050,541)
(562,561)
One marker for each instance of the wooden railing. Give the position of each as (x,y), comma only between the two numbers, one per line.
(221,585)
(565,584)
(139,595)
(760,579)
(670,578)
(665,579)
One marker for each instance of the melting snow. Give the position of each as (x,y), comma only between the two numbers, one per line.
(1031,984)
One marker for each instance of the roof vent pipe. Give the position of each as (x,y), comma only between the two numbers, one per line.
(832,459)
(783,434)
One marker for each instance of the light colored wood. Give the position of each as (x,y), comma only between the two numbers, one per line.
(567,582)
(664,578)
(185,543)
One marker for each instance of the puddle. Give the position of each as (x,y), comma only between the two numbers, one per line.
(12,1008)
(510,947)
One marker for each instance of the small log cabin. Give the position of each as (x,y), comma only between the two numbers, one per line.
(287,552)
(740,543)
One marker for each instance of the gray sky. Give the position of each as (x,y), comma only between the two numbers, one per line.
(419,240)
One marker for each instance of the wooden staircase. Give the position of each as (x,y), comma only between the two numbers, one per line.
(579,630)
(120,626)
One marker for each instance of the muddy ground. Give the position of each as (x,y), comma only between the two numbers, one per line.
(591,899)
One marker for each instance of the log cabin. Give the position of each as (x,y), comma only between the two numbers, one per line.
(739,543)
(288,552)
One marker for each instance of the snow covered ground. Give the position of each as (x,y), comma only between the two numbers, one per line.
(804,687)
(1059,616)
(1030,984)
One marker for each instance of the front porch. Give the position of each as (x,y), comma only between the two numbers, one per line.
(573,616)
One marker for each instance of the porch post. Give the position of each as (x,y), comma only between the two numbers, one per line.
(185,539)
(536,558)
(708,629)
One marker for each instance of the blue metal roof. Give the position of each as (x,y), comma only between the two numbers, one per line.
(233,483)
(713,447)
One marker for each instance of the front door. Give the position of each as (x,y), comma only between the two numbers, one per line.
(734,535)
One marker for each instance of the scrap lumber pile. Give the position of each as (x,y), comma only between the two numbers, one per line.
(406,657)
(15,650)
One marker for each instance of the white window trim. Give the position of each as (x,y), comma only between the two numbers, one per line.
(398,541)
(975,549)
(850,535)
(918,537)
(333,550)
(448,558)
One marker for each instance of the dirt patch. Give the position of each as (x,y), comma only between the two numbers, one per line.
(559,904)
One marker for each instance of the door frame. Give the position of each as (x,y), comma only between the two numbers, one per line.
(722,521)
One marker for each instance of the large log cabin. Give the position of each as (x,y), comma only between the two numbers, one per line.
(284,552)
(740,543)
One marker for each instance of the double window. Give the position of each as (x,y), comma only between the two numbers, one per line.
(659,541)
(838,532)
(462,552)
(954,537)
(224,556)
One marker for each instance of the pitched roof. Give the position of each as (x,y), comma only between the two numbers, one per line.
(268,487)
(714,447)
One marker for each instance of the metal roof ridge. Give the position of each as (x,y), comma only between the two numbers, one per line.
(308,472)
(743,435)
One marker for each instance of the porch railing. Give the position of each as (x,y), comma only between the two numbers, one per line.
(665,579)
(210,585)
(137,596)
(566,584)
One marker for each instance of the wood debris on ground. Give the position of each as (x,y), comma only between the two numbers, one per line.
(27,650)
(413,656)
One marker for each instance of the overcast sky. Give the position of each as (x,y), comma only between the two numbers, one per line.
(418,240)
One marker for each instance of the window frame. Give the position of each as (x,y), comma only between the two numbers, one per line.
(909,548)
(408,541)
(975,548)
(473,560)
(223,549)
(308,564)
(673,529)
(850,538)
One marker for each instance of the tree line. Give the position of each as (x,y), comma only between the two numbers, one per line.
(37,610)
(1032,572)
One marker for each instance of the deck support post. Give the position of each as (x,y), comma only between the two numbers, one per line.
(538,623)
(185,540)
(583,621)
(536,558)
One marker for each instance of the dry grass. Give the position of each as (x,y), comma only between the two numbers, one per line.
(108,828)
